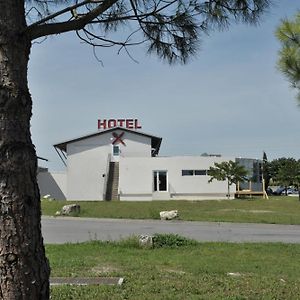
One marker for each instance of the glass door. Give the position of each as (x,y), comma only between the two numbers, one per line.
(160,181)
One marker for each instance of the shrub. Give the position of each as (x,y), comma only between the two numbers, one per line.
(171,241)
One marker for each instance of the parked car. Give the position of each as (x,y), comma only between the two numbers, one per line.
(281,191)
(289,191)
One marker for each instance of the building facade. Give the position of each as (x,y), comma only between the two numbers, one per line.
(124,164)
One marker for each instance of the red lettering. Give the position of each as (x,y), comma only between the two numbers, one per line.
(102,124)
(112,123)
(129,123)
(121,122)
(136,124)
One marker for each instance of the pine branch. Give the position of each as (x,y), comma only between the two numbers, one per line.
(37,31)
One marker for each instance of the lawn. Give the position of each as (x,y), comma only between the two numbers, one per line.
(276,210)
(194,271)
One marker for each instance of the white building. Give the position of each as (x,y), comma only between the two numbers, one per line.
(123,164)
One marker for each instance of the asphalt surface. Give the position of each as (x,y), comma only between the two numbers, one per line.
(58,230)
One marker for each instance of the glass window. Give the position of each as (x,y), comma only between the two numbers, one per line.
(116,150)
(187,172)
(200,172)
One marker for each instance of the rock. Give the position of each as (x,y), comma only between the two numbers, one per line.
(234,274)
(146,241)
(169,215)
(70,209)
(47,197)
(58,213)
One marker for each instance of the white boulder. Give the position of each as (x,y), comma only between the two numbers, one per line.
(169,215)
(146,241)
(69,209)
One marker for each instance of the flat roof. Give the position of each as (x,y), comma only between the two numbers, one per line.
(155,141)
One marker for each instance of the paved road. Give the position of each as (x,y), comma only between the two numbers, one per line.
(61,230)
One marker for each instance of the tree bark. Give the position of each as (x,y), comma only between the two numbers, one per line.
(24,269)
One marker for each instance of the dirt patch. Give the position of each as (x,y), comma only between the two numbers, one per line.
(104,270)
(175,271)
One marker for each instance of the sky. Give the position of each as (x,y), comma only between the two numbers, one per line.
(230,99)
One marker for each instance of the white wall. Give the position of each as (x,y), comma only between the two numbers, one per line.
(87,163)
(136,182)
(85,173)
(136,145)
(53,184)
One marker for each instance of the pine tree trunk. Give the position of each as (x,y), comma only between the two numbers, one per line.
(24,269)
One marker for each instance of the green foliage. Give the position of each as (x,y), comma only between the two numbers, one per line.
(288,33)
(289,173)
(230,171)
(170,29)
(285,171)
(171,241)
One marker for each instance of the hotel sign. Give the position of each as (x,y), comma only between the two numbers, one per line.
(125,123)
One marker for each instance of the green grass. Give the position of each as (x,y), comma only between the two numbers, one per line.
(193,271)
(276,210)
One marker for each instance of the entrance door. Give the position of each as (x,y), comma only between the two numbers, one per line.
(160,181)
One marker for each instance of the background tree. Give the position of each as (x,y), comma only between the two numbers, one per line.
(285,172)
(170,28)
(274,167)
(288,174)
(288,33)
(276,164)
(231,171)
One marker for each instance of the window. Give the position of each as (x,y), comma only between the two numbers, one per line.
(187,172)
(116,150)
(194,172)
(200,172)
